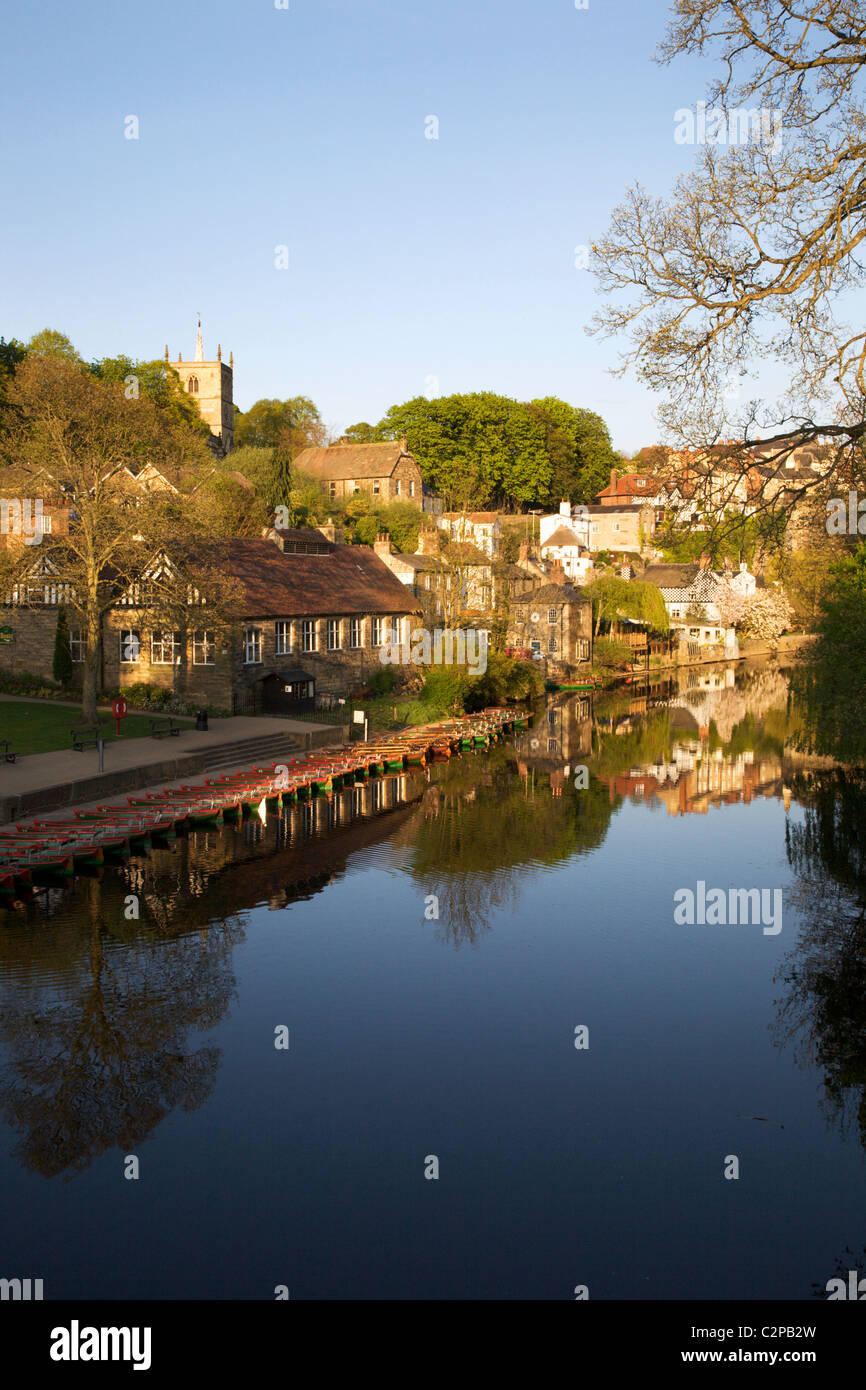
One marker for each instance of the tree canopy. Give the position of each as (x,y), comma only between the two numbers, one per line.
(267,422)
(480,449)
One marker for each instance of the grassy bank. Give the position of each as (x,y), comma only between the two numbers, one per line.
(39,726)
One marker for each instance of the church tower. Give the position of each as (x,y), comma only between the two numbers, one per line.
(211,386)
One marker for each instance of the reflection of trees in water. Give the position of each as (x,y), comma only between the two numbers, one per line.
(99,1061)
(479,836)
(823,1012)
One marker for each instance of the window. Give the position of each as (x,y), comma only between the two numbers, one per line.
(551,646)
(252,646)
(130,645)
(356,633)
(412,488)
(552,616)
(334,635)
(694,632)
(203,647)
(552,745)
(192,385)
(375,487)
(519,615)
(162,648)
(309,636)
(616,526)
(282,638)
(552,715)
(332,489)
(675,613)
(378,631)
(396,487)
(583,649)
(535,647)
(77,644)
(45,524)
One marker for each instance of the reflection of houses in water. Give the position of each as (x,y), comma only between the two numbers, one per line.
(559,738)
(696,779)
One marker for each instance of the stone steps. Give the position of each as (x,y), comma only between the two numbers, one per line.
(268,748)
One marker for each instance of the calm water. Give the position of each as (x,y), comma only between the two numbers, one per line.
(413,1035)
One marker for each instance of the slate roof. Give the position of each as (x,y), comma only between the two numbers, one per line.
(350,579)
(342,461)
(561,536)
(671,576)
(420,562)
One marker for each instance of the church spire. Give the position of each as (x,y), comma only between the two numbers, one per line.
(199,345)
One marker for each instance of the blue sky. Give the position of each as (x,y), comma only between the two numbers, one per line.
(414,264)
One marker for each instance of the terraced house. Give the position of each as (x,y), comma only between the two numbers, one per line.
(309,617)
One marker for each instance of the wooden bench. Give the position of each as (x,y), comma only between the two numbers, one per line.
(85,736)
(161,728)
(8,751)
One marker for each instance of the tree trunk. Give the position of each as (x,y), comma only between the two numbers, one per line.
(90,683)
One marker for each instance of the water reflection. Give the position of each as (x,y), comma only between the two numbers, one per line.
(822,1012)
(103,1014)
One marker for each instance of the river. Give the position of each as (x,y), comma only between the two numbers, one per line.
(443,1036)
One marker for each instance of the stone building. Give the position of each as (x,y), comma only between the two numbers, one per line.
(552,624)
(387,471)
(311,619)
(211,386)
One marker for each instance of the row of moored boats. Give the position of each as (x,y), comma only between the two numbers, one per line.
(48,850)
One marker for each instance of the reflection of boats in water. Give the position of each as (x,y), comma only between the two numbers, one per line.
(50,850)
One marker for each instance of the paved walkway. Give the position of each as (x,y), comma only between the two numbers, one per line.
(64,765)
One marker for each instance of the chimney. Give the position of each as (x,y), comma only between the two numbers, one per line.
(565,508)
(613,479)
(382,544)
(332,533)
(523,553)
(428,543)
(404,444)
(704,561)
(557,573)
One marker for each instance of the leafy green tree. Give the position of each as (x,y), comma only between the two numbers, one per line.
(402,522)
(580,450)
(50,343)
(268,421)
(11,354)
(62,667)
(277,483)
(477,449)
(362,433)
(613,597)
(156,381)
(831,682)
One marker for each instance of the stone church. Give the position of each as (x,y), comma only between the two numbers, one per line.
(211,386)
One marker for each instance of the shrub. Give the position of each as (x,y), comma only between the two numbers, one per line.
(383,681)
(612,656)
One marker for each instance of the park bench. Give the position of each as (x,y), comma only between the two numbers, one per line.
(85,736)
(162,727)
(8,751)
